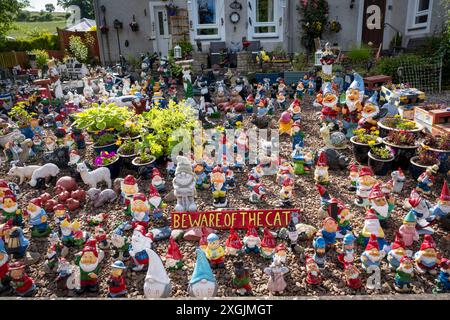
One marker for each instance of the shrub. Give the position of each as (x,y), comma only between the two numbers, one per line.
(41,57)
(78,48)
(300,61)
(44,41)
(359,56)
(389,65)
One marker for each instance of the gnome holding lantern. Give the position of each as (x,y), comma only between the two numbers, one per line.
(38,219)
(372,256)
(252,242)
(233,245)
(174,258)
(321,171)
(353,105)
(139,208)
(129,188)
(157,283)
(427,259)
(140,241)
(89,263)
(184,185)
(203,282)
(366,181)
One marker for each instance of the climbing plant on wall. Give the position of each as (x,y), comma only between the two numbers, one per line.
(314,18)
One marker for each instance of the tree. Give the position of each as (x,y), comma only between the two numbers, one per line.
(86,7)
(49,7)
(9,10)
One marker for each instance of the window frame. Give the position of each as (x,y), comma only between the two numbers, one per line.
(414,13)
(196,26)
(277,15)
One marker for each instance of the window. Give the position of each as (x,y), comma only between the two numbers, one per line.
(207,19)
(265,18)
(421,14)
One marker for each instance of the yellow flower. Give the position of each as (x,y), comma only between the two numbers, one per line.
(371,143)
(373,128)
(397,116)
(118,142)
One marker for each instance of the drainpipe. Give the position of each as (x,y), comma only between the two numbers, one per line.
(290,25)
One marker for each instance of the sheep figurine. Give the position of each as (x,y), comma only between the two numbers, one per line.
(99,198)
(92,178)
(24,173)
(43,172)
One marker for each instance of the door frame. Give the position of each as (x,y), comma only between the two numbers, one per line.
(153,34)
(361,14)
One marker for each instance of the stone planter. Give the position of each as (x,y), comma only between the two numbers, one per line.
(417,169)
(380,167)
(108,148)
(144,170)
(384,130)
(361,150)
(402,154)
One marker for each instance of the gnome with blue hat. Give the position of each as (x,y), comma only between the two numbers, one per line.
(320,253)
(215,252)
(347,252)
(353,105)
(203,282)
(371,113)
(4,269)
(116,282)
(329,102)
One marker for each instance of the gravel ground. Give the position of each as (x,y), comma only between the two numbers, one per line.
(306,198)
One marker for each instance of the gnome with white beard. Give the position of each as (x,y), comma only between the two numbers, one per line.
(421,208)
(157,282)
(140,209)
(184,185)
(89,263)
(353,105)
(372,256)
(157,180)
(404,275)
(427,259)
(140,242)
(371,228)
(371,113)
(442,208)
(155,202)
(364,185)
(378,202)
(203,282)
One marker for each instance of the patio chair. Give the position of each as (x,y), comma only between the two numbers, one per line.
(217,52)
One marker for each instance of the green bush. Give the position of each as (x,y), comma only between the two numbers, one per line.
(41,57)
(79,50)
(359,55)
(300,61)
(45,41)
(389,65)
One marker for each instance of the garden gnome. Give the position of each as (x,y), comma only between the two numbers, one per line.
(157,283)
(371,227)
(139,208)
(64,271)
(241,279)
(184,185)
(353,176)
(203,282)
(280,253)
(116,281)
(233,245)
(286,192)
(297,135)
(319,252)
(284,171)
(427,258)
(321,171)
(215,252)
(174,258)
(89,263)
(252,242)
(397,252)
(276,271)
(347,253)
(443,279)
(408,229)
(120,244)
(254,177)
(71,235)
(398,180)
(421,209)
(370,113)
(343,217)
(22,284)
(353,105)
(404,275)
(219,187)
(372,256)
(379,203)
(313,272)
(16,243)
(295,109)
(329,101)
(328,232)
(129,188)
(10,209)
(201,179)
(155,202)
(4,268)
(157,180)
(352,276)
(425,181)
(257,194)
(59,214)
(268,244)
(140,241)
(442,207)
(285,123)
(366,181)
(54,79)
(292,235)
(38,219)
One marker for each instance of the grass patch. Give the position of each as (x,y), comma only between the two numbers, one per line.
(25,29)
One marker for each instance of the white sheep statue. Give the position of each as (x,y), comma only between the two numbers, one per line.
(24,173)
(43,172)
(92,178)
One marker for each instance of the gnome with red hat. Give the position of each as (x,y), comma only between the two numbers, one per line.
(280,253)
(397,252)
(352,278)
(203,242)
(4,268)
(233,245)
(3,188)
(286,192)
(129,188)
(398,180)
(174,258)
(404,275)
(366,181)
(219,187)
(328,232)
(321,171)
(140,241)
(313,272)
(427,259)
(420,207)
(442,207)
(157,180)
(38,218)
(268,244)
(10,208)
(425,181)
(89,263)
(21,283)
(156,203)
(252,242)
(140,210)
(371,227)
(443,279)
(353,176)
(372,256)
(378,202)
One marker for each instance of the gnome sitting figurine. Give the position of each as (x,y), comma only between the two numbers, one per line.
(203,282)
(184,185)
(157,283)
(371,113)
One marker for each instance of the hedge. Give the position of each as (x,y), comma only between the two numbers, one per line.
(45,41)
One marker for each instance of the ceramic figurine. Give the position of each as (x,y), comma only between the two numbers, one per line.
(203,282)
(371,113)
(268,245)
(427,259)
(319,252)
(300,89)
(96,220)
(157,180)
(408,229)
(155,203)
(347,254)
(309,160)
(120,244)
(79,139)
(128,188)
(23,173)
(157,283)
(116,282)
(71,235)
(297,135)
(372,256)
(229,178)
(321,171)
(10,209)
(285,170)
(249,103)
(258,194)
(351,111)
(64,271)
(51,261)
(201,179)
(241,279)
(88,262)
(215,252)
(140,209)
(93,178)
(325,134)
(442,207)
(292,235)
(353,176)
(366,181)
(22,284)
(100,237)
(38,219)
(425,181)
(378,202)
(74,160)
(203,241)
(281,101)
(219,187)
(100,197)
(42,173)
(404,275)
(254,177)
(280,253)
(276,271)
(352,276)
(233,245)
(184,185)
(371,227)
(299,160)
(398,179)
(286,193)
(420,207)
(397,252)
(295,109)
(16,243)
(174,258)
(343,219)
(4,268)
(285,123)
(252,242)
(140,241)
(313,276)
(328,232)
(443,279)
(59,214)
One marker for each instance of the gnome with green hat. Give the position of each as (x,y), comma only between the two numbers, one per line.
(408,229)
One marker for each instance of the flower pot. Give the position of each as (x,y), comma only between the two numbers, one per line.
(417,169)
(380,167)
(361,150)
(402,154)
(136,137)
(126,159)
(327,68)
(443,157)
(114,168)
(108,148)
(384,130)
(144,170)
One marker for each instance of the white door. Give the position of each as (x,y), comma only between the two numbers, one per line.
(163,38)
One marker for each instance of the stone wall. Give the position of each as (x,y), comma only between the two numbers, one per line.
(200,58)
(247,64)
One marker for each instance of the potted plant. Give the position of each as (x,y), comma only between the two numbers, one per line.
(127,151)
(144,162)
(380,160)
(425,158)
(440,144)
(110,160)
(22,117)
(396,123)
(134,25)
(105,141)
(362,142)
(131,130)
(404,146)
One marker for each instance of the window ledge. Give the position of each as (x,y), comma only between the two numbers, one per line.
(417,28)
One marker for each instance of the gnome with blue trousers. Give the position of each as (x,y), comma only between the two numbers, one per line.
(351,111)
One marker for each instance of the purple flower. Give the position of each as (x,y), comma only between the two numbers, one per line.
(98,161)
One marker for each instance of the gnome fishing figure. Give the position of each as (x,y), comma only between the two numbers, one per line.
(184,185)
(116,282)
(241,279)
(215,252)
(219,187)
(203,282)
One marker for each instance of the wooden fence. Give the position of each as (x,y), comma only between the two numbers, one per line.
(14,58)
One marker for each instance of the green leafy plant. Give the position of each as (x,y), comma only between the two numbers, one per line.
(128,147)
(41,57)
(21,116)
(314,15)
(361,136)
(359,56)
(383,153)
(44,41)
(105,138)
(389,65)
(397,122)
(300,61)
(426,157)
(176,69)
(78,48)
